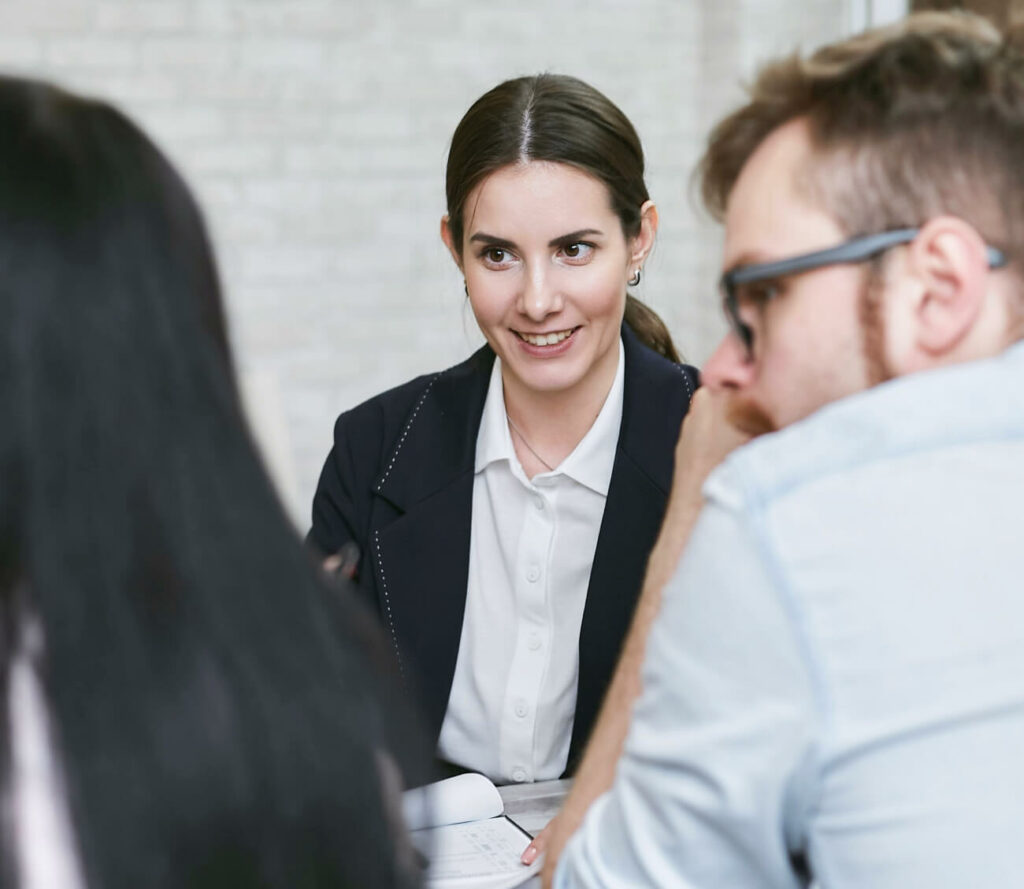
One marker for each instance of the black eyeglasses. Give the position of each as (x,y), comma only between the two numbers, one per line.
(735,281)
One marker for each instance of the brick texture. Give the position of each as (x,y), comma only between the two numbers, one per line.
(315,133)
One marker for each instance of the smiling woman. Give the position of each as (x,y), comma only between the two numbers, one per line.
(504,508)
(546,267)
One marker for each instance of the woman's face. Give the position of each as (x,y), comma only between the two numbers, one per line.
(546,266)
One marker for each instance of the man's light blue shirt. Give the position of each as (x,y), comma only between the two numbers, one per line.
(837,673)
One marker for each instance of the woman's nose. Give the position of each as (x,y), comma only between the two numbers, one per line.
(540,295)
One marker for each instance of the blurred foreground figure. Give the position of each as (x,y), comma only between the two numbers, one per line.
(185,703)
(834,688)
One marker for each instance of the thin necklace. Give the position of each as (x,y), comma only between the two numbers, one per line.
(522,438)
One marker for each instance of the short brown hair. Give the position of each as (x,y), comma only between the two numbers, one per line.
(909,121)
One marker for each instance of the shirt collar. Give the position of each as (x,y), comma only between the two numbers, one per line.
(590,464)
(494,441)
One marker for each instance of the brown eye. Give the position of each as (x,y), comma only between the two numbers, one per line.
(579,251)
(496,255)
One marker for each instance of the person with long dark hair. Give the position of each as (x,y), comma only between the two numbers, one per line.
(502,510)
(185,701)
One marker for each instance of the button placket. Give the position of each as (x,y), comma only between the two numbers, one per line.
(527,669)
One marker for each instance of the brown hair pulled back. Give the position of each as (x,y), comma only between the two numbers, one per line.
(560,119)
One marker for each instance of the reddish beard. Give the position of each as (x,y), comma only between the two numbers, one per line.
(750,419)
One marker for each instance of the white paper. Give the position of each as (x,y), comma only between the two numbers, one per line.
(475,855)
(468,797)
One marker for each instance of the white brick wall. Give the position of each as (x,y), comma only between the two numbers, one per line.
(315,134)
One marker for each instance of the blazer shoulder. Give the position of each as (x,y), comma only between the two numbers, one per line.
(676,382)
(421,424)
(683,379)
(370,437)
(656,399)
(384,416)
(380,416)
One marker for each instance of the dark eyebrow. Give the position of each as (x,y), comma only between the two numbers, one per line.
(561,240)
(493,240)
(573,237)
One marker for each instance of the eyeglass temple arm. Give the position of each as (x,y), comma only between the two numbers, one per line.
(856,250)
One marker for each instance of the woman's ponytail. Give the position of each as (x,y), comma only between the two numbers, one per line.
(650,329)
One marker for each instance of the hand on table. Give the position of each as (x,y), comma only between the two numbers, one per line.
(551,841)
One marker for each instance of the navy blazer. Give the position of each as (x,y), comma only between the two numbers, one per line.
(399,484)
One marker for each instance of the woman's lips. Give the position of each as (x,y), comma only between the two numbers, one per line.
(547,345)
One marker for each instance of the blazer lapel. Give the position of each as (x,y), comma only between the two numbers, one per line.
(421,534)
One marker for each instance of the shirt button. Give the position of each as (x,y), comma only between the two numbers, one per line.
(519,774)
(533,643)
(521,708)
(538,502)
(532,573)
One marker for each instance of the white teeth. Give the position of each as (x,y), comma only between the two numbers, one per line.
(545,339)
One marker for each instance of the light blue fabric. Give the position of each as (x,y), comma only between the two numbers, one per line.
(838,670)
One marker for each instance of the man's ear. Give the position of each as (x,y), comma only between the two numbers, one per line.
(449,241)
(642,244)
(948,261)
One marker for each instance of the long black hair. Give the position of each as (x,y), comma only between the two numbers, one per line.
(218,712)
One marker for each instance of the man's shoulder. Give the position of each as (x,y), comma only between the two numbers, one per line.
(976,403)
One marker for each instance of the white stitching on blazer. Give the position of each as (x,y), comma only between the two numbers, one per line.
(405,431)
(387,603)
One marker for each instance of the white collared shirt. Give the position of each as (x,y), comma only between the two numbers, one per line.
(837,670)
(513,697)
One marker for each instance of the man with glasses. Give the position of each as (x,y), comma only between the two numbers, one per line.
(834,686)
